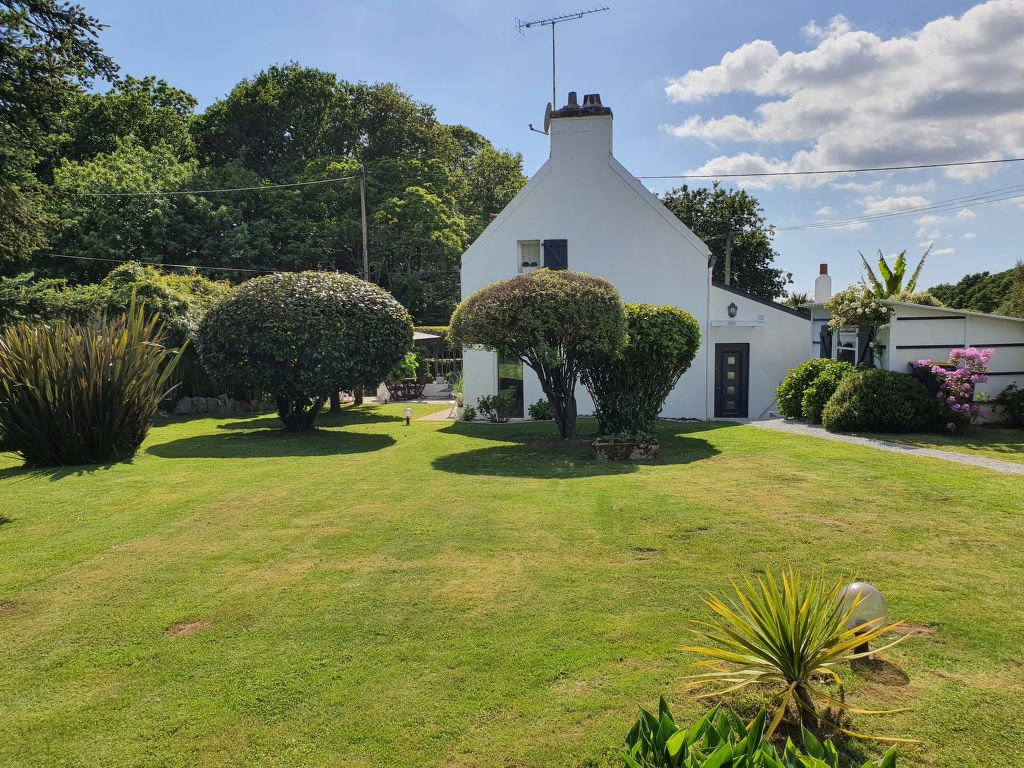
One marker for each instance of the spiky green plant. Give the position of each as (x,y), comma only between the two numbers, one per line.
(789,632)
(82,394)
(890,284)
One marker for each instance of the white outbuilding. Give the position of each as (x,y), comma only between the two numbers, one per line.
(584,211)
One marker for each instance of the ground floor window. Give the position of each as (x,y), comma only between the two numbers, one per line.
(510,376)
(847,347)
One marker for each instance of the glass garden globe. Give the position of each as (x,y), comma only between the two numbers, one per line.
(871,607)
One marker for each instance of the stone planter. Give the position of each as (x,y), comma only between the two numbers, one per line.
(460,399)
(617,449)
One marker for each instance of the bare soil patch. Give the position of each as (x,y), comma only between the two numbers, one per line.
(184,629)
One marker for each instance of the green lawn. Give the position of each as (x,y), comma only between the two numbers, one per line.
(470,595)
(991,442)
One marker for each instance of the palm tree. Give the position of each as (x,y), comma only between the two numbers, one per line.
(796,298)
(891,284)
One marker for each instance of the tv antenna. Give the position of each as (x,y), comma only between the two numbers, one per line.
(552,21)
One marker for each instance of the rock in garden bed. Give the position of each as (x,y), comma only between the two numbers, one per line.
(626,449)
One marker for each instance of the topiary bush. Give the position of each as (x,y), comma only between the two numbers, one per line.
(300,336)
(790,393)
(629,389)
(556,321)
(819,391)
(1011,405)
(82,394)
(879,401)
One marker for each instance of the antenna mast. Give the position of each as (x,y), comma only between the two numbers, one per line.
(551,21)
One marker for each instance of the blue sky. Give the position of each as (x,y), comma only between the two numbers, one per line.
(867,83)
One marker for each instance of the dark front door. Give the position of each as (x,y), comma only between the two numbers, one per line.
(732,371)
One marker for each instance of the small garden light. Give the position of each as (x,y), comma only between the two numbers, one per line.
(408,415)
(870,611)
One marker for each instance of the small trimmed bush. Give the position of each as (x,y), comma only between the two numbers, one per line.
(498,408)
(820,391)
(630,388)
(879,401)
(1011,405)
(541,411)
(790,393)
(82,394)
(469,413)
(300,336)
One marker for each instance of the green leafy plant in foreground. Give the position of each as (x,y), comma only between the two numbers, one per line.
(82,394)
(789,632)
(720,739)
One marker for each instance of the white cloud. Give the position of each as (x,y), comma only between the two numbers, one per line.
(947,92)
(929,220)
(825,211)
(873,205)
(965,213)
(969,235)
(837,25)
(853,225)
(943,251)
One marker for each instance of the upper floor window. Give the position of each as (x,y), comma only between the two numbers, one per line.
(529,255)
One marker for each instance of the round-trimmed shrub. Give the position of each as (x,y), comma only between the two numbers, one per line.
(556,321)
(629,389)
(300,336)
(790,393)
(879,401)
(821,390)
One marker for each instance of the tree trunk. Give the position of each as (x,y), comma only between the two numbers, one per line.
(298,414)
(357,398)
(562,396)
(335,404)
(807,712)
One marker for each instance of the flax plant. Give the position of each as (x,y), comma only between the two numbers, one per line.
(788,631)
(82,394)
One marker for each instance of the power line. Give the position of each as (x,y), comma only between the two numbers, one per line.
(876,169)
(260,188)
(965,201)
(153,264)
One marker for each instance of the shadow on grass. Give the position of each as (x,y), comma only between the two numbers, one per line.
(53,474)
(364,414)
(549,458)
(270,443)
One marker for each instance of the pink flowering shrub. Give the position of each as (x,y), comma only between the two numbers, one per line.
(957,380)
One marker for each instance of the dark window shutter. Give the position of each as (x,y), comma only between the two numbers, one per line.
(556,254)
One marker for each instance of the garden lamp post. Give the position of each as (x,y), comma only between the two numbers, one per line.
(870,610)
(408,415)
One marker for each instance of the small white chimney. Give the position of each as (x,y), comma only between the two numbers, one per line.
(822,285)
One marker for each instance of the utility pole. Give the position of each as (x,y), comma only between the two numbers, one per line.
(363,215)
(728,257)
(551,21)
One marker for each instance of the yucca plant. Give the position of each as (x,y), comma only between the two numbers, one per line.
(888,284)
(82,394)
(790,632)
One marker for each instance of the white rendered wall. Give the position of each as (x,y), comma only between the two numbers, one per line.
(615,228)
(777,339)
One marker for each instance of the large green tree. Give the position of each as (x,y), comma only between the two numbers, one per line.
(48,51)
(980,291)
(711,213)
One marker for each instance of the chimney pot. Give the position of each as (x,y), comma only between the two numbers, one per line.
(823,269)
(572,99)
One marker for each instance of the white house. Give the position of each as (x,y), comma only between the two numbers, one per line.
(917,331)
(584,211)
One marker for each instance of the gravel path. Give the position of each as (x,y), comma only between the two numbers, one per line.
(816,430)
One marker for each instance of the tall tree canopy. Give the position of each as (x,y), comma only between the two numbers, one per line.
(48,50)
(712,212)
(430,187)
